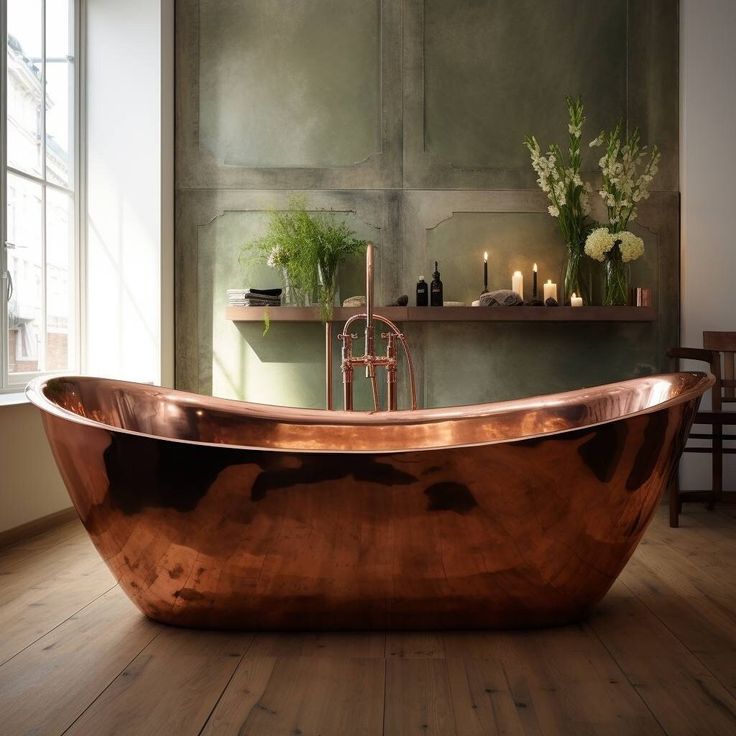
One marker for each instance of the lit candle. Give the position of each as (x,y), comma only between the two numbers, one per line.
(550,290)
(517,283)
(534,282)
(485,272)
(576,301)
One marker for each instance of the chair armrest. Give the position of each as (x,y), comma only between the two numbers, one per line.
(707,356)
(715,417)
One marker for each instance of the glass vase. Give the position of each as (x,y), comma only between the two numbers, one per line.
(293,296)
(329,290)
(616,285)
(577,276)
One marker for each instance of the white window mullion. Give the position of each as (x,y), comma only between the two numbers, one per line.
(4,284)
(44,267)
(38,180)
(80,167)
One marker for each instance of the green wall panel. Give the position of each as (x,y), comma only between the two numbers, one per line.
(287,84)
(499,68)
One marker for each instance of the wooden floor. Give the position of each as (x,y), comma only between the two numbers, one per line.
(657,656)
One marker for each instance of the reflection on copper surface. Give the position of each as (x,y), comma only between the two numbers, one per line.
(219,513)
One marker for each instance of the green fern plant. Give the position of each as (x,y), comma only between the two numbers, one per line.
(309,247)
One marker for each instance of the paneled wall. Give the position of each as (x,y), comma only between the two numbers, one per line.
(407,116)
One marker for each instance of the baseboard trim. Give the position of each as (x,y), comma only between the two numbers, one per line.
(37,526)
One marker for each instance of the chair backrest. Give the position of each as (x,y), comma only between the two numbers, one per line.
(725,344)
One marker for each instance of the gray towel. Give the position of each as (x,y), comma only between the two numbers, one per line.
(500,298)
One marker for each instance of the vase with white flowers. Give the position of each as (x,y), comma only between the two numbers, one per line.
(627,169)
(615,250)
(558,176)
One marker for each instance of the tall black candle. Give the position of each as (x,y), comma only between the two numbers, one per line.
(485,272)
(534,281)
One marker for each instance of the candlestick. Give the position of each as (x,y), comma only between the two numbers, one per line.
(517,283)
(550,290)
(534,281)
(485,272)
(576,301)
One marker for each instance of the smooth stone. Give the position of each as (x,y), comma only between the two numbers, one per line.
(501,298)
(354,301)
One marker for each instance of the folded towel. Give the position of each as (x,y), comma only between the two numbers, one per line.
(245,293)
(500,298)
(255,303)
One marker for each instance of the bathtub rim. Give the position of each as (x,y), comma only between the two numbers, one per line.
(324,419)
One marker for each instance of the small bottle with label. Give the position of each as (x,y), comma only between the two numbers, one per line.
(435,289)
(422,292)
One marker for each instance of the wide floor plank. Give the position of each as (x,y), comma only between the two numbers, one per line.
(46,687)
(302,695)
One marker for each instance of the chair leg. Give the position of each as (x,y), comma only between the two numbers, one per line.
(675,502)
(717,466)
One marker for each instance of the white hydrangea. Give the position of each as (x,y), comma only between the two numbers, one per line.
(599,243)
(632,246)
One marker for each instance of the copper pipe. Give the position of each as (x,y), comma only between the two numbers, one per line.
(328,365)
(391,399)
(369,336)
(346,338)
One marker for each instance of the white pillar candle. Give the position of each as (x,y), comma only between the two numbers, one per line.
(576,301)
(517,283)
(550,290)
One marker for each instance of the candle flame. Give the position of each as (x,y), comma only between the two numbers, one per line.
(534,268)
(549,281)
(574,296)
(485,257)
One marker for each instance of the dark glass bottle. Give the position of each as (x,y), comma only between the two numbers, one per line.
(435,289)
(422,292)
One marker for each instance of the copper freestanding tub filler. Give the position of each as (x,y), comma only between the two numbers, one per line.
(224,514)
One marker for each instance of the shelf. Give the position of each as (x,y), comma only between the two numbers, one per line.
(452,314)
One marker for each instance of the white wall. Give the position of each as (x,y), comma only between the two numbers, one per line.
(707,166)
(30,485)
(129,275)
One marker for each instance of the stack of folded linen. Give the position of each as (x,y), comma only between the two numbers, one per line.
(254,297)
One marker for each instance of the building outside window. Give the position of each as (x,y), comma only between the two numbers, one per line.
(40,193)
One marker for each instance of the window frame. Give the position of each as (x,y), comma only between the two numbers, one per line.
(15,382)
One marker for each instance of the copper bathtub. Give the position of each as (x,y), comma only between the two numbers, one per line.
(216,513)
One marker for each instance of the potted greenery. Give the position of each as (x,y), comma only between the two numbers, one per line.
(308,247)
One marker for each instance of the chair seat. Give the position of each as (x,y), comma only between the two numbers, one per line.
(727,497)
(709,450)
(715,417)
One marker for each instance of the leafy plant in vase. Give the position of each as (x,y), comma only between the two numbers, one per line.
(559,178)
(627,169)
(308,248)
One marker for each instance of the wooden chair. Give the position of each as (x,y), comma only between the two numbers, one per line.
(718,351)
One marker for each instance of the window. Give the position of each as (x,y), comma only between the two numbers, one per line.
(39,197)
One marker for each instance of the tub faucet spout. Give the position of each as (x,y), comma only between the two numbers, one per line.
(369,360)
